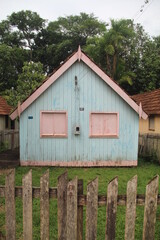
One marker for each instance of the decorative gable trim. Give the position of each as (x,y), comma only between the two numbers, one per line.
(113,85)
(79,55)
(45,85)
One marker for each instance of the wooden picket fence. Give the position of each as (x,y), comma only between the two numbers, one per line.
(149,145)
(10,138)
(70,198)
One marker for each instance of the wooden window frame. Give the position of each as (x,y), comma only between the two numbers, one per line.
(149,119)
(42,135)
(104,135)
(6,122)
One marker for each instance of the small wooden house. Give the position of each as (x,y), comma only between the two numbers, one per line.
(151,105)
(5,110)
(79,117)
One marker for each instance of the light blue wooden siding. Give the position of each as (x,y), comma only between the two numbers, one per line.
(93,95)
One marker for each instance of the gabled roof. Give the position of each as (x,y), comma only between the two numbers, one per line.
(150,101)
(5,109)
(78,56)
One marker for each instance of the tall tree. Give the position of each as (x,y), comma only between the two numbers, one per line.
(121,48)
(7,36)
(62,37)
(31,77)
(17,40)
(22,28)
(128,55)
(112,47)
(149,69)
(11,62)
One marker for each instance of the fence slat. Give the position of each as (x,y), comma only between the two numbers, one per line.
(72,188)
(111,210)
(92,210)
(150,209)
(62,206)
(10,137)
(80,213)
(131,209)
(44,205)
(27,206)
(10,206)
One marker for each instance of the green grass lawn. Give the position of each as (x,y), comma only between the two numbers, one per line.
(145,172)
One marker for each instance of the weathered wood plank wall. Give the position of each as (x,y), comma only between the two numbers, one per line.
(149,145)
(93,95)
(10,138)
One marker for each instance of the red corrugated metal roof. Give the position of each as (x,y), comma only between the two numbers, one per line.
(150,101)
(5,109)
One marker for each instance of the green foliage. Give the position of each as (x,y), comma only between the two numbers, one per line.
(121,48)
(115,46)
(26,25)
(7,36)
(62,37)
(11,62)
(30,78)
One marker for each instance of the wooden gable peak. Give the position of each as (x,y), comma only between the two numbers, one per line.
(78,56)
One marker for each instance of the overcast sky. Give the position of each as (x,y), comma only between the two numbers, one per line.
(149,18)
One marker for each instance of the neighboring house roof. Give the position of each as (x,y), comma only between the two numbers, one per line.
(5,109)
(78,56)
(150,101)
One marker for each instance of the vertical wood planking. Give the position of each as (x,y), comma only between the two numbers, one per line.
(62,206)
(80,213)
(44,205)
(131,209)
(111,210)
(72,188)
(92,210)
(27,206)
(10,206)
(150,209)
(91,88)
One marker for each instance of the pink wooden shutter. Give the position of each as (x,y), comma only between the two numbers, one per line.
(60,123)
(103,124)
(53,124)
(46,124)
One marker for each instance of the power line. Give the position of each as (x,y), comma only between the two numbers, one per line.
(143,8)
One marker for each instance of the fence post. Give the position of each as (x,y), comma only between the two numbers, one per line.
(150,209)
(10,206)
(80,213)
(131,209)
(72,188)
(27,206)
(112,193)
(44,205)
(92,210)
(62,206)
